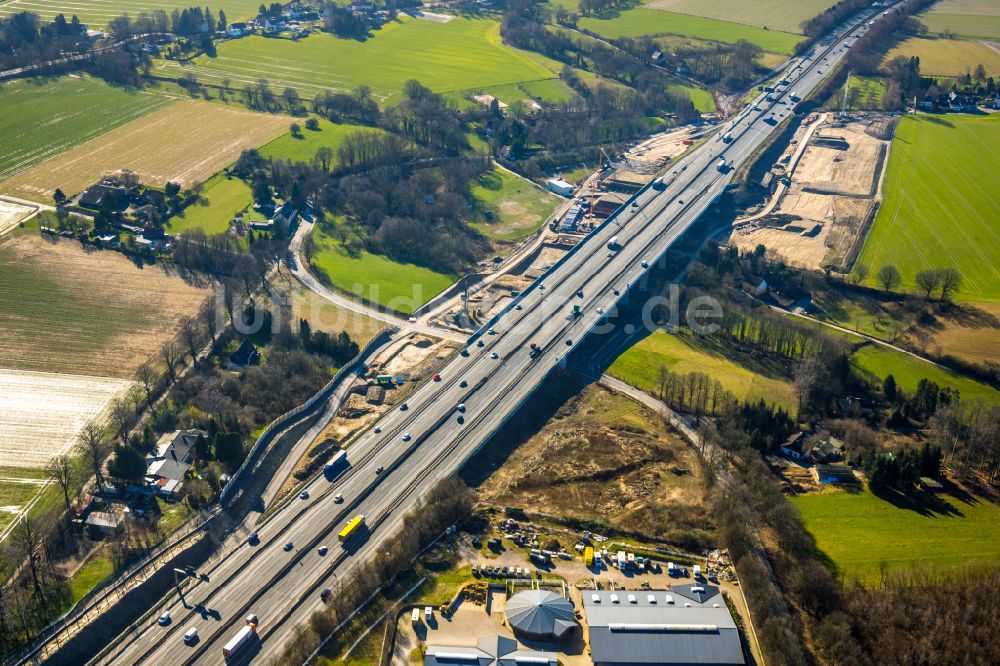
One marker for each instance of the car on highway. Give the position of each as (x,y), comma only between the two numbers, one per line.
(491,332)
(325,594)
(304,495)
(460,419)
(338,498)
(600,311)
(289,546)
(461,407)
(321,550)
(480,343)
(569,342)
(164,619)
(253,538)
(680,201)
(252,619)
(379,469)
(463,384)
(494,355)
(437,376)
(579,294)
(406,437)
(378,429)
(465,352)
(404,407)
(191,636)
(645,264)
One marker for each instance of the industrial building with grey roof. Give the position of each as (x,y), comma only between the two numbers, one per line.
(687,625)
(489,651)
(540,614)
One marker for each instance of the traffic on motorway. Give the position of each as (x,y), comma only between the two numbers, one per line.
(283,571)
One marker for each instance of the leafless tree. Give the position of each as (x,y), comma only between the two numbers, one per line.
(888,276)
(191,335)
(146,377)
(208,316)
(171,355)
(951,280)
(60,470)
(94,449)
(121,414)
(27,538)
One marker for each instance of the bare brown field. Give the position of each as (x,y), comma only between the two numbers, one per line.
(605,458)
(185,142)
(67,310)
(831,193)
(323,315)
(972,334)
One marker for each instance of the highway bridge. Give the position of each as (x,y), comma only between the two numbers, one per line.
(279,577)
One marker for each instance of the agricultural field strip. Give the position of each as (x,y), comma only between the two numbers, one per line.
(103,11)
(41,412)
(785,15)
(279,75)
(144,146)
(906,181)
(27,159)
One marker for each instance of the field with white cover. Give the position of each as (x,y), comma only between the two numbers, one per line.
(40,415)
(12,214)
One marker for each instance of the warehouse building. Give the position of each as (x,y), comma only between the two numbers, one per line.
(689,624)
(489,651)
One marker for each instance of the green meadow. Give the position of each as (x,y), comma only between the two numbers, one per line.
(302,148)
(374,277)
(877,361)
(43,118)
(516,207)
(640,364)
(940,207)
(462,54)
(860,532)
(641,21)
(786,15)
(221,199)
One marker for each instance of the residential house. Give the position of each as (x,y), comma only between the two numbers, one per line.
(237,29)
(793,445)
(99,196)
(169,462)
(755,286)
(286,214)
(243,357)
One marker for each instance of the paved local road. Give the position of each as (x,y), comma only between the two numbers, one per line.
(446,421)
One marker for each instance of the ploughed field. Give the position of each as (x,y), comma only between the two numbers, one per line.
(97,13)
(185,142)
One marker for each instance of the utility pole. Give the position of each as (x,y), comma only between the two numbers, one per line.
(847,85)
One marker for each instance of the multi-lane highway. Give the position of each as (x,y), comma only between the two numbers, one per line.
(447,420)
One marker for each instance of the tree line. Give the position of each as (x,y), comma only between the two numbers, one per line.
(26,40)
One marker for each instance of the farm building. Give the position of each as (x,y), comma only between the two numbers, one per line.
(560,186)
(99,196)
(104,522)
(690,624)
(540,614)
(489,651)
(834,474)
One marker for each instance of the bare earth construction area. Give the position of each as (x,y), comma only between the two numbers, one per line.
(184,142)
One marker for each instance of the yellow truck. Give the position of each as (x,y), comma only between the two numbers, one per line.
(353,526)
(588,556)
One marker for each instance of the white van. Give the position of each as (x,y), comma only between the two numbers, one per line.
(191,635)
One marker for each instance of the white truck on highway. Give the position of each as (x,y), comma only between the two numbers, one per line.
(721,165)
(727,137)
(613,243)
(242,637)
